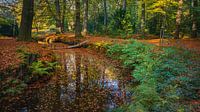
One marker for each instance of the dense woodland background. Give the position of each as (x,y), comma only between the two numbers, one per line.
(165,18)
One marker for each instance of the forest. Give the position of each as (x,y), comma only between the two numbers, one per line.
(99,55)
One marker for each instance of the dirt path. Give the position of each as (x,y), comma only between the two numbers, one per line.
(190,44)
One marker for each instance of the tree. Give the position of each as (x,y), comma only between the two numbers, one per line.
(194,18)
(55,12)
(63,17)
(94,14)
(143,18)
(124,5)
(77,21)
(58,14)
(178,18)
(105,15)
(85,18)
(26,20)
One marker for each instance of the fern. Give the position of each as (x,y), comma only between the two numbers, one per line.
(42,68)
(165,75)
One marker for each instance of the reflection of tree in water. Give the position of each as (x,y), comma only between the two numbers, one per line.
(94,77)
(78,79)
(87,84)
(92,85)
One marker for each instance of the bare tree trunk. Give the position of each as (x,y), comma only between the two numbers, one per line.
(178,19)
(63,29)
(105,16)
(85,18)
(194,18)
(26,20)
(58,14)
(143,18)
(77,21)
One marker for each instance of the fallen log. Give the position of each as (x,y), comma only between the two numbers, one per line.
(79,44)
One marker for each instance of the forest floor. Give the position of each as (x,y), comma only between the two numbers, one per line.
(188,44)
(10,58)
(9,46)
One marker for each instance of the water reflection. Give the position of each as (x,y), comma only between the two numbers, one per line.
(88,84)
(86,75)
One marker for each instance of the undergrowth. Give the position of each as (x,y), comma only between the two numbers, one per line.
(30,70)
(42,68)
(167,76)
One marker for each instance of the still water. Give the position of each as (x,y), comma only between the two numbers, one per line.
(86,83)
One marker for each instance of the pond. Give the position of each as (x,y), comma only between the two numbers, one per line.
(86,83)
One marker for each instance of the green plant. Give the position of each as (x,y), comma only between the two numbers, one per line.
(121,23)
(164,75)
(100,45)
(41,68)
(12,86)
(23,53)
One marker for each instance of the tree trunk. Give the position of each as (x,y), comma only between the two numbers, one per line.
(162,28)
(26,20)
(178,19)
(58,14)
(77,21)
(105,16)
(95,18)
(124,5)
(85,19)
(55,15)
(194,18)
(63,17)
(143,18)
